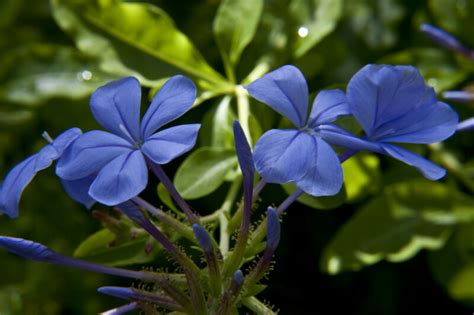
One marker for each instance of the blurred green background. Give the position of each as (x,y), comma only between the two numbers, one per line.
(391,243)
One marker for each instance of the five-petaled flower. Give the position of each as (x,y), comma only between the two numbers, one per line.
(118,159)
(22,174)
(394,105)
(298,155)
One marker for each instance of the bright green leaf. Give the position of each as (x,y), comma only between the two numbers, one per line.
(315,19)
(434,64)
(95,24)
(406,218)
(235,25)
(204,171)
(97,248)
(362,176)
(323,203)
(37,73)
(165,197)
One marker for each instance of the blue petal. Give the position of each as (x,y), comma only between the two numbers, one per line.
(283,156)
(428,124)
(116,106)
(14,184)
(174,99)
(119,292)
(379,94)
(285,90)
(26,248)
(79,190)
(62,142)
(120,180)
(325,177)
(341,137)
(168,144)
(92,151)
(327,107)
(466,125)
(426,167)
(244,153)
(273,229)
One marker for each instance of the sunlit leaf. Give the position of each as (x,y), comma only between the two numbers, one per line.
(37,73)
(95,25)
(204,171)
(404,219)
(234,26)
(361,176)
(322,203)
(314,20)
(98,248)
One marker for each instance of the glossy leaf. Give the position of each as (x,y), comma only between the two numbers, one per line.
(204,171)
(99,248)
(142,26)
(37,73)
(321,203)
(315,19)
(406,218)
(361,176)
(234,26)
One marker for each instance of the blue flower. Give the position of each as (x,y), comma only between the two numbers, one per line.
(117,160)
(22,174)
(298,155)
(394,105)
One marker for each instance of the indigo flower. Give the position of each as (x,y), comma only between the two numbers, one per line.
(22,174)
(394,105)
(118,159)
(298,155)
(446,40)
(466,125)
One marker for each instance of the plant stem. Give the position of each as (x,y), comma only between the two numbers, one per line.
(224,213)
(257,306)
(243,111)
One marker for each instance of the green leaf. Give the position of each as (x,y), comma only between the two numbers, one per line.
(204,171)
(235,25)
(97,248)
(362,176)
(315,19)
(456,17)
(222,125)
(406,218)
(436,66)
(165,197)
(322,203)
(37,73)
(375,21)
(96,24)
(10,118)
(453,266)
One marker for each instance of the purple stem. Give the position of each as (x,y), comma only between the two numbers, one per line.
(160,173)
(122,309)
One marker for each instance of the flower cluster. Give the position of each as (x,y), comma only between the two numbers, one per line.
(392,104)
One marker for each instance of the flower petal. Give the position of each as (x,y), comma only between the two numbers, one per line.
(285,90)
(92,151)
(325,177)
(168,144)
(62,141)
(337,136)
(426,167)
(379,94)
(174,99)
(283,156)
(427,125)
(79,190)
(116,106)
(328,106)
(120,180)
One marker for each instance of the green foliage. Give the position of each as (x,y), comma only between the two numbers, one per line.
(204,171)
(361,176)
(234,27)
(406,218)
